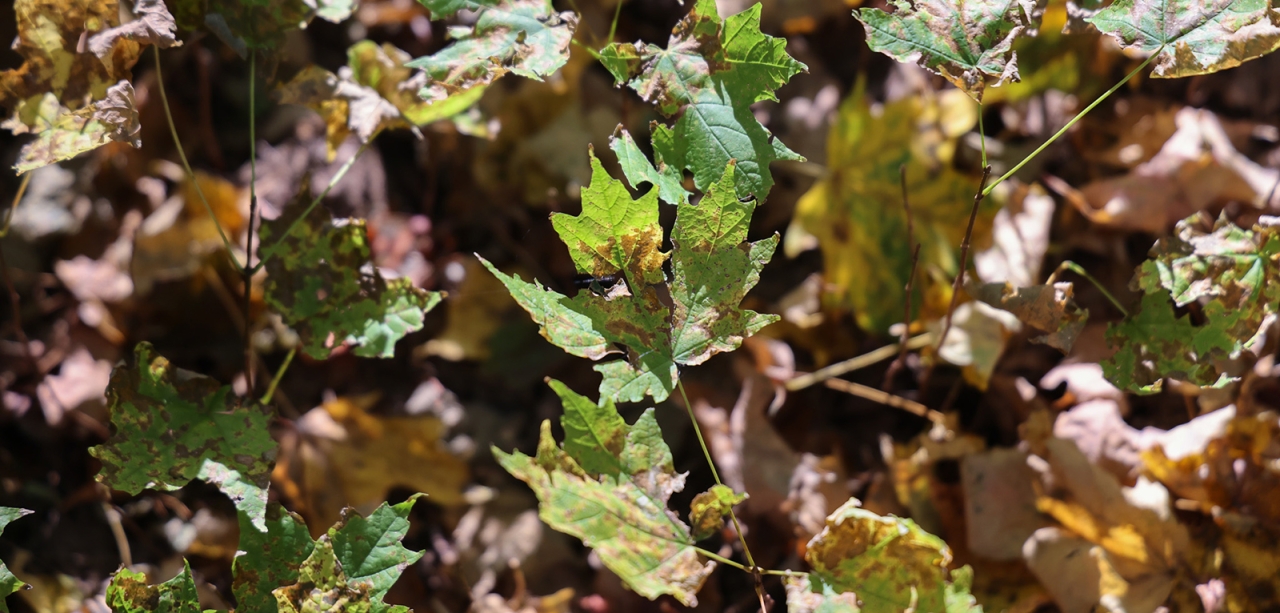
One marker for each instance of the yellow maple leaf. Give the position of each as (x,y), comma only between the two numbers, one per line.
(856,212)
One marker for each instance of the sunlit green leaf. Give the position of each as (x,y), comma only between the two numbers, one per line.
(526,37)
(321,280)
(970,43)
(710,74)
(712,270)
(128,592)
(1193,36)
(609,486)
(1231,271)
(637,168)
(179,421)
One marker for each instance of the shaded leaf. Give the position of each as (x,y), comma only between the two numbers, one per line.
(1193,36)
(1051,308)
(889,563)
(270,557)
(244,25)
(347,107)
(178,421)
(708,509)
(712,270)
(968,43)
(9,583)
(609,486)
(321,280)
(856,212)
(526,37)
(128,592)
(710,74)
(1233,272)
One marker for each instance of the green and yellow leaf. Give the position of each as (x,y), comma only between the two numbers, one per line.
(609,485)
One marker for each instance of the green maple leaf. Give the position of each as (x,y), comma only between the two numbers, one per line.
(170,426)
(321,280)
(970,43)
(9,583)
(353,565)
(637,168)
(1193,37)
(526,37)
(711,72)
(712,269)
(269,557)
(1231,271)
(609,485)
(878,564)
(128,592)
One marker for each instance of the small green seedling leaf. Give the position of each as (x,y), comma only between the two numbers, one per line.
(321,280)
(8,582)
(710,74)
(888,563)
(1051,308)
(269,557)
(712,266)
(128,592)
(169,425)
(708,510)
(526,37)
(1231,271)
(970,44)
(609,485)
(1193,36)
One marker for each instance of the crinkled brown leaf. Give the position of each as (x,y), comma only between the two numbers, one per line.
(1051,308)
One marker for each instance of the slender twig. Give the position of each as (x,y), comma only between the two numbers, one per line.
(17,199)
(1073,121)
(186,165)
(892,371)
(1079,270)
(885,398)
(871,357)
(15,303)
(982,137)
(275,381)
(266,253)
(247,274)
(964,255)
(754,569)
(117,531)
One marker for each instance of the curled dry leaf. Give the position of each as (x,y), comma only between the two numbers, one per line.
(1051,308)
